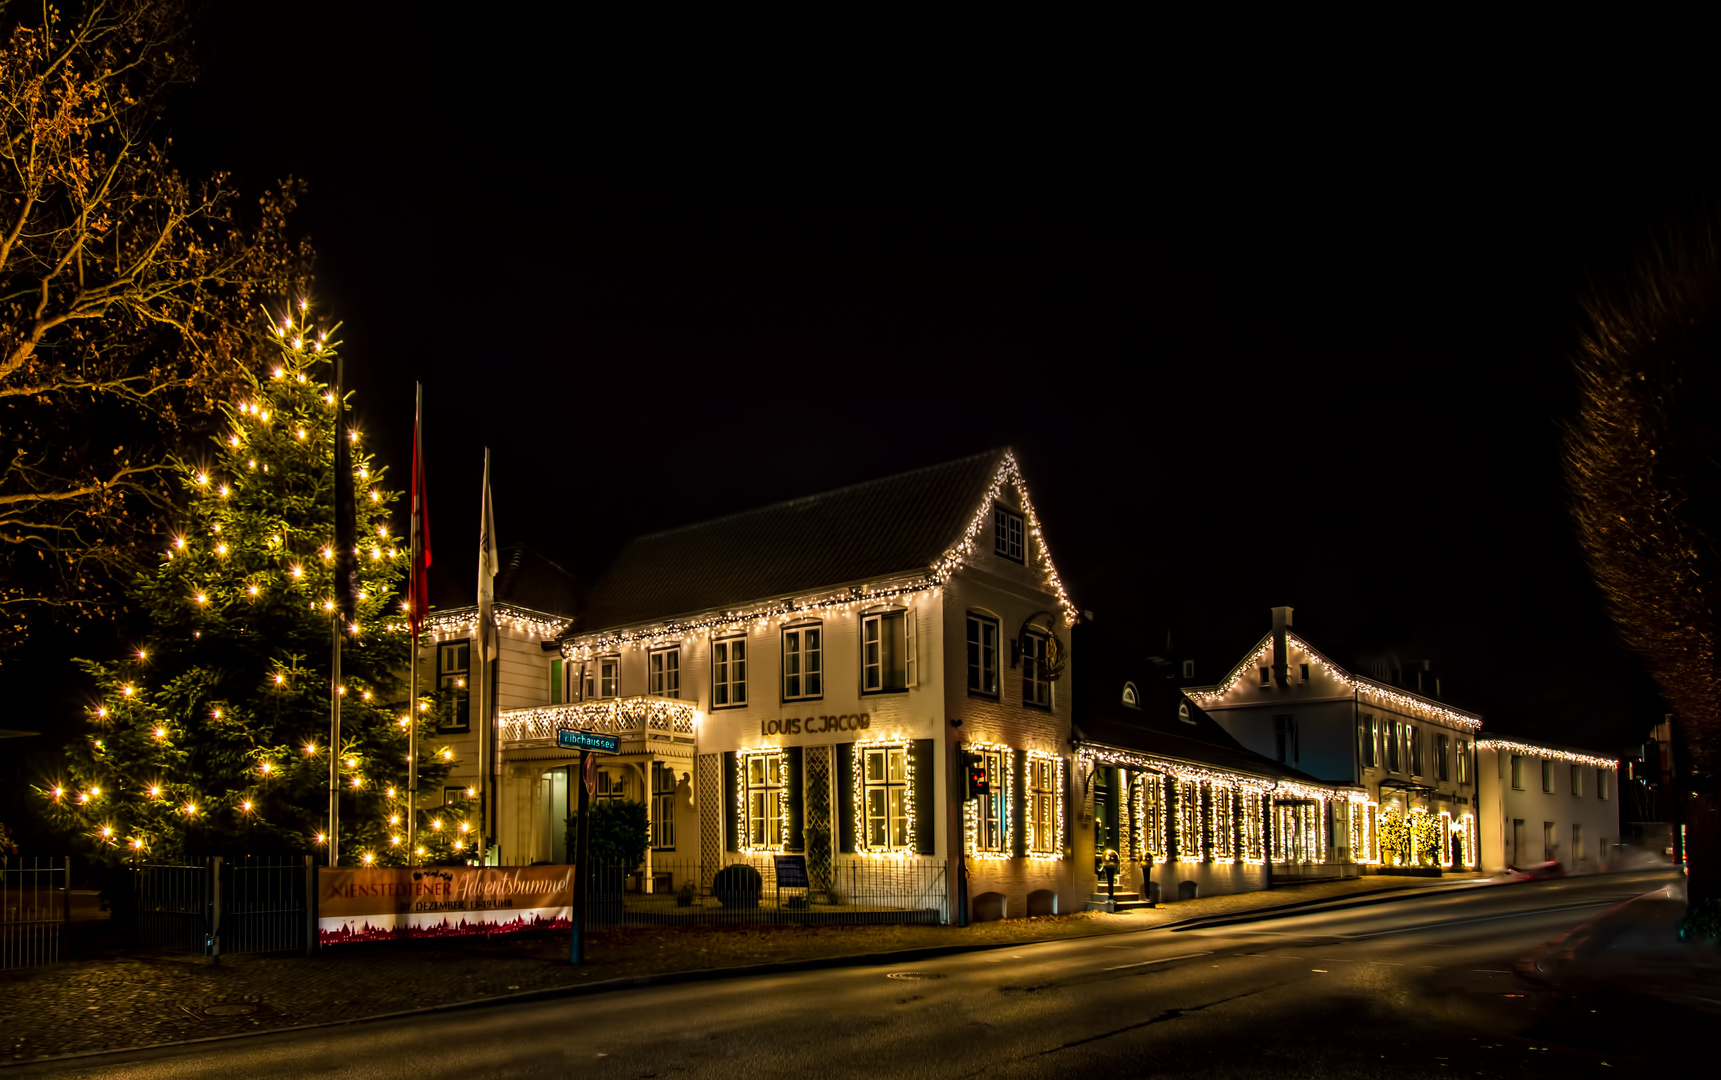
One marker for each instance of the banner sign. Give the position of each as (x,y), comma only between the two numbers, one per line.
(389,903)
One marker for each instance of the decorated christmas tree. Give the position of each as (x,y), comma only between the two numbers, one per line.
(214,737)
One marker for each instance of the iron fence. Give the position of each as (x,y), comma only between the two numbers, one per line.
(252,904)
(745,890)
(35,906)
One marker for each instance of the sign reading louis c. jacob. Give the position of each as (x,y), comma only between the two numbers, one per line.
(380,904)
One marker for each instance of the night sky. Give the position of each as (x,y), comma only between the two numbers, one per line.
(1300,347)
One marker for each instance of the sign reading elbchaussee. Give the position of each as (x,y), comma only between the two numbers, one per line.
(589,741)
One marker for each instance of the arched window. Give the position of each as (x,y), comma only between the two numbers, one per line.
(1183,713)
(1130,697)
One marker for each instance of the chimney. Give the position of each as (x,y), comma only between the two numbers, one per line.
(1281,659)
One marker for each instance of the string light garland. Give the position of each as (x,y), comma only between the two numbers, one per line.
(743,816)
(1222,822)
(1530,750)
(608,716)
(1377,693)
(463,621)
(1047,842)
(1188,841)
(764,613)
(976,807)
(862,844)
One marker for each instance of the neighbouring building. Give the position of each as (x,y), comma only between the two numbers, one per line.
(1543,804)
(1187,808)
(1411,758)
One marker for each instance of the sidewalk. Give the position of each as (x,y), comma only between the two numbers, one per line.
(132,999)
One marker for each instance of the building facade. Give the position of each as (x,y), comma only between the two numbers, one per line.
(1411,757)
(804,678)
(1543,804)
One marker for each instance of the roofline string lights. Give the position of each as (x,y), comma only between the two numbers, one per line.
(1529,750)
(459,622)
(1360,684)
(957,556)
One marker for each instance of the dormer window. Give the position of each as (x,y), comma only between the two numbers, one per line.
(1189,669)
(1007,533)
(1130,697)
(1183,713)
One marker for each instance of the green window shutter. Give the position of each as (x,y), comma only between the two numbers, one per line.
(1019,804)
(731,827)
(1112,807)
(555,682)
(792,781)
(1172,795)
(845,797)
(920,752)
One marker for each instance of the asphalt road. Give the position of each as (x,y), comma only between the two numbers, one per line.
(1417,986)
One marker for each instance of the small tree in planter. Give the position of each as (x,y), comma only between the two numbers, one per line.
(620,832)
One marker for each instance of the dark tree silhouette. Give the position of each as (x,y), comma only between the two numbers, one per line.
(1643,462)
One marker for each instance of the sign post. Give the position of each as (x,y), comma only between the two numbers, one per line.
(589,745)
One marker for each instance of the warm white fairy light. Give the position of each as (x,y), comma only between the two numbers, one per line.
(609,716)
(1531,750)
(862,847)
(972,811)
(460,622)
(1376,692)
(743,759)
(1051,844)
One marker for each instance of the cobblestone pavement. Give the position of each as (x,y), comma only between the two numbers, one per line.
(133,999)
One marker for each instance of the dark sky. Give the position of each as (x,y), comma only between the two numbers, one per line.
(1297,345)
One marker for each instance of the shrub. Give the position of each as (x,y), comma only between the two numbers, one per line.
(619,835)
(738,886)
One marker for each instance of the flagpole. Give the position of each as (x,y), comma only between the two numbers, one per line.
(335,664)
(485,542)
(415,619)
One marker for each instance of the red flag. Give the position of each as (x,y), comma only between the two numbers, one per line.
(418,590)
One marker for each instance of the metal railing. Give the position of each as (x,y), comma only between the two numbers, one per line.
(253,904)
(854,891)
(35,906)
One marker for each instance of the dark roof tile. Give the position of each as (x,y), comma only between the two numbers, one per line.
(896,525)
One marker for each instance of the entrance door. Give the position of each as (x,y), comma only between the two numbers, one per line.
(1104,833)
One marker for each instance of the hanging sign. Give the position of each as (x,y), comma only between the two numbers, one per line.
(1052,664)
(591,774)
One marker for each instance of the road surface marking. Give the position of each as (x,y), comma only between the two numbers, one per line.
(1161,960)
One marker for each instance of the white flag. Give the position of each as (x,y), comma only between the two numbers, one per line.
(488,567)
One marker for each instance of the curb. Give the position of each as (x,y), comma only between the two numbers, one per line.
(1365,899)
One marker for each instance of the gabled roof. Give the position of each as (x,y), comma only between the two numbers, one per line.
(1403,699)
(1204,744)
(917,524)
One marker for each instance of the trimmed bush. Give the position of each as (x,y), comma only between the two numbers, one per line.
(738,886)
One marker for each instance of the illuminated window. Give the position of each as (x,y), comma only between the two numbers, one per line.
(1183,713)
(765,801)
(453,681)
(1601,783)
(729,673)
(453,794)
(1042,806)
(803,663)
(609,676)
(665,673)
(884,798)
(1036,688)
(982,655)
(1577,781)
(1393,761)
(1365,740)
(1547,776)
(887,652)
(1130,697)
(1442,756)
(990,824)
(662,806)
(1007,533)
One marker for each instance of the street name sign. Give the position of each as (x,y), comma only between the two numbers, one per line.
(588,741)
